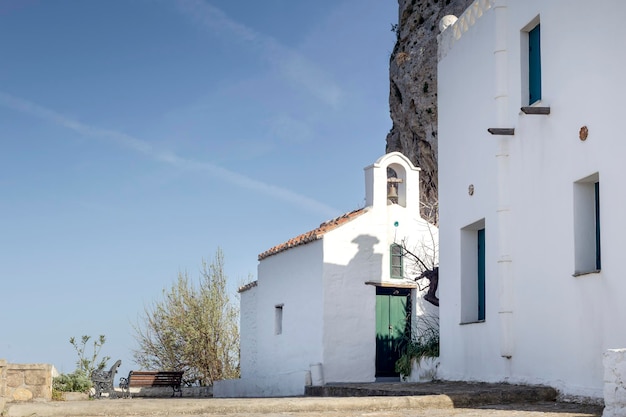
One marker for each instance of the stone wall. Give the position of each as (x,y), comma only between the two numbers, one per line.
(25,382)
(3,378)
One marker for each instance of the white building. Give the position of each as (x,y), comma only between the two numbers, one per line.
(329,304)
(531,157)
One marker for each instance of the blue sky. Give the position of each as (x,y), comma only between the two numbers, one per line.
(138,136)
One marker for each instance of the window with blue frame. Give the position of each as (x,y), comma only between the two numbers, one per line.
(597,224)
(534,64)
(481,273)
(588,257)
(473,273)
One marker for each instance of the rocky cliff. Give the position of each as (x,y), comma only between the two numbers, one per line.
(413,86)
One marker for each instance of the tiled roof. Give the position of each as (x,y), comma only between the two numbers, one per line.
(246,287)
(313,235)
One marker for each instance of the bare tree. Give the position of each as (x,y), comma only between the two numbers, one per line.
(193,328)
(424,257)
(430,212)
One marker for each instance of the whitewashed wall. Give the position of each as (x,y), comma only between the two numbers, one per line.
(350,304)
(467,158)
(292,278)
(358,253)
(353,255)
(561,324)
(279,364)
(248,332)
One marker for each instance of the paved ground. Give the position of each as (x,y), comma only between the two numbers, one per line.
(351,400)
(297,407)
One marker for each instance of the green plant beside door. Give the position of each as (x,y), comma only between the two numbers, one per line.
(422,342)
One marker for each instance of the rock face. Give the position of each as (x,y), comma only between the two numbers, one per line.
(413,87)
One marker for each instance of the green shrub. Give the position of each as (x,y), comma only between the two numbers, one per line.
(57,395)
(423,342)
(74,382)
(79,380)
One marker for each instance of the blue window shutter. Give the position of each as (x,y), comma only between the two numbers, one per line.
(534,64)
(597,192)
(481,274)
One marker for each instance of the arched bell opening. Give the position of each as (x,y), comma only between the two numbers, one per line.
(396,185)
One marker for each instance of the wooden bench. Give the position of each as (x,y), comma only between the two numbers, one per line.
(138,379)
(103,381)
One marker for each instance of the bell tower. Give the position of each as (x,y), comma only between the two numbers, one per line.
(392,180)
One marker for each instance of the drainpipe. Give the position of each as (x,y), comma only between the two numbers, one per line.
(504,270)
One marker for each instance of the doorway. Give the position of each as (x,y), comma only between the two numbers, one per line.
(393,321)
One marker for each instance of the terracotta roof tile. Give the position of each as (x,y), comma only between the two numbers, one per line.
(246,287)
(312,235)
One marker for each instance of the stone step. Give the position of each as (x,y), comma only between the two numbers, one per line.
(461,394)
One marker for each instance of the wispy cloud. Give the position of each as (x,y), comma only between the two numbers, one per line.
(289,129)
(165,156)
(290,63)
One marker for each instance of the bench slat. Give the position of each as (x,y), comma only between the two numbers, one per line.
(154,378)
(171,379)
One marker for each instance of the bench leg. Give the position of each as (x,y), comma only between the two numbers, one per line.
(125,388)
(177,389)
(98,390)
(112,392)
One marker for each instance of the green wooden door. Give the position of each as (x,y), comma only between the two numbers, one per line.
(392,312)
